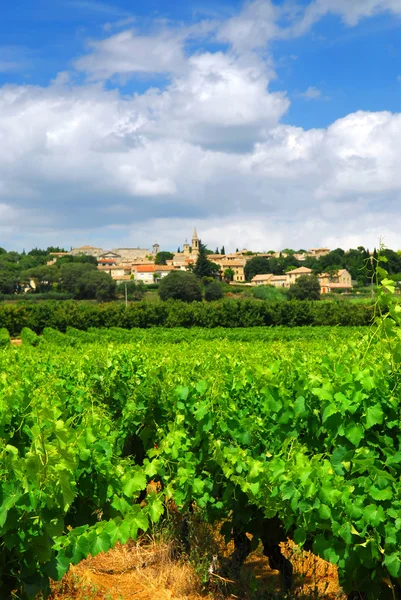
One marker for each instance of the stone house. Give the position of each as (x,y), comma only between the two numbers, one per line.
(294,274)
(341,280)
(262,279)
(115,271)
(87,251)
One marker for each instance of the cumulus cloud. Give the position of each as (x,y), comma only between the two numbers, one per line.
(86,164)
(91,157)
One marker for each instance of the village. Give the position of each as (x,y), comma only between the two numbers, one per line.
(139,264)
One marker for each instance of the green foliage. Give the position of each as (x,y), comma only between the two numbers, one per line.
(256,266)
(135,289)
(163,257)
(213,291)
(179,285)
(306,287)
(229,274)
(4,337)
(228,312)
(309,436)
(84,281)
(203,266)
(269,293)
(29,337)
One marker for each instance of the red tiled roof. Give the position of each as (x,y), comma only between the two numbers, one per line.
(145,268)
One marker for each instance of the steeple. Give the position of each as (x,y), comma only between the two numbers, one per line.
(195,243)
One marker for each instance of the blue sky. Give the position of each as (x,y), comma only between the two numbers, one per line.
(248,118)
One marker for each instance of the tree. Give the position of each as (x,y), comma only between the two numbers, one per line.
(229,274)
(213,291)
(223,250)
(163,257)
(44,277)
(256,266)
(71,275)
(204,267)
(9,282)
(180,285)
(96,284)
(217,251)
(306,287)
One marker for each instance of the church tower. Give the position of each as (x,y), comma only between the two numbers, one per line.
(195,243)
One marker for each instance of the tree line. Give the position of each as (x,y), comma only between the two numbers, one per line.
(76,276)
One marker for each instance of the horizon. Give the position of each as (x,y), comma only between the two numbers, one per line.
(276,123)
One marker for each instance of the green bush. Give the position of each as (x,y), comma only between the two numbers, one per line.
(213,291)
(29,337)
(180,285)
(4,337)
(306,287)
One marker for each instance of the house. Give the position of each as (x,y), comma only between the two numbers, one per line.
(162,271)
(87,251)
(111,255)
(317,252)
(131,254)
(144,273)
(181,261)
(294,274)
(279,281)
(236,264)
(339,281)
(107,262)
(115,271)
(261,279)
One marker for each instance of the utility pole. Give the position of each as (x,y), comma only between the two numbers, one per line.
(126,295)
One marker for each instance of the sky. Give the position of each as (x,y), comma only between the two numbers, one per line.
(266,124)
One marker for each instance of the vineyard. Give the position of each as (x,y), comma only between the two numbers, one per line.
(271,433)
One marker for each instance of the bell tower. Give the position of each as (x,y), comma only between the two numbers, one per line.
(195,243)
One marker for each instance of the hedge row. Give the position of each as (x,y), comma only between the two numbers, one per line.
(4,337)
(224,313)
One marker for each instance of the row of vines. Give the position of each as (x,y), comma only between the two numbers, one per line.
(297,438)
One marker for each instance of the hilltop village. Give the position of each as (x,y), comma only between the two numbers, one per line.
(141,264)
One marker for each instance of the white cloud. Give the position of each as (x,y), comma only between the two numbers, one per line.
(261,21)
(353,12)
(312,93)
(222,101)
(116,165)
(350,11)
(82,164)
(253,27)
(127,52)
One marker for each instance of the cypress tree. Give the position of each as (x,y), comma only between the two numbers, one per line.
(203,266)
